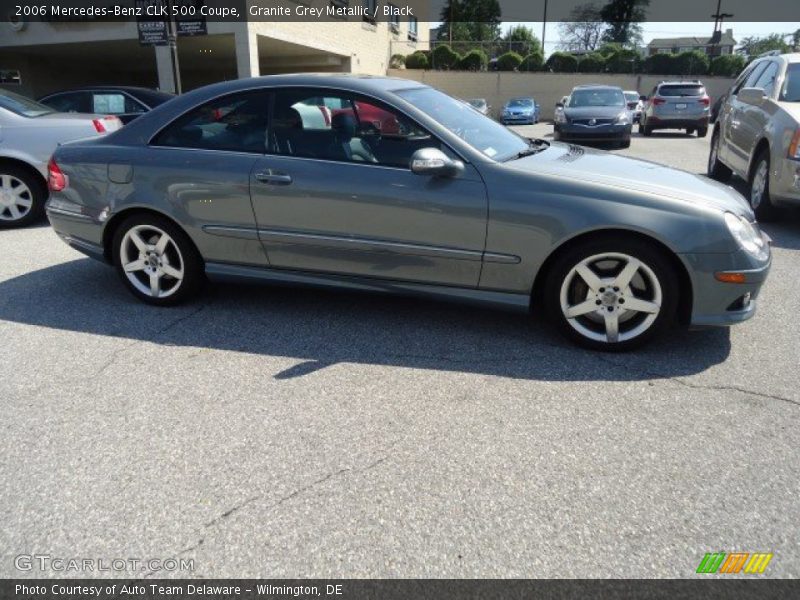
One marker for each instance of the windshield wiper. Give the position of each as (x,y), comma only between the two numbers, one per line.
(535,145)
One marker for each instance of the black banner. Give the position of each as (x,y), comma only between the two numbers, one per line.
(733,588)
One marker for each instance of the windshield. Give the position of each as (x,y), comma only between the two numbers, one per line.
(631,96)
(520,102)
(482,133)
(23,106)
(790,92)
(597,97)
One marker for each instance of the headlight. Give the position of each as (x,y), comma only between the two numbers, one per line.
(622,119)
(560,117)
(747,236)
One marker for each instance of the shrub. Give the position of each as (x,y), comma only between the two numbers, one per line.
(444,57)
(661,64)
(562,62)
(510,61)
(418,60)
(532,62)
(474,60)
(398,61)
(727,65)
(623,61)
(592,63)
(693,62)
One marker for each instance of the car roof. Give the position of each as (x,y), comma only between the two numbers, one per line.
(596,86)
(681,82)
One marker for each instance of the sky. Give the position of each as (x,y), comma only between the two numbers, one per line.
(662,29)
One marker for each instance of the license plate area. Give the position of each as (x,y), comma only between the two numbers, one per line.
(681,106)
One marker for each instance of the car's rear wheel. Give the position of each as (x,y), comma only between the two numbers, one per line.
(157,261)
(612,294)
(625,143)
(716,169)
(22,197)
(702,132)
(760,200)
(689,131)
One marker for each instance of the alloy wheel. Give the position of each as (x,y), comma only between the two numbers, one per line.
(611,297)
(152,261)
(16,198)
(759,184)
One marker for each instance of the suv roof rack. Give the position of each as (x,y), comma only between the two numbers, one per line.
(770,53)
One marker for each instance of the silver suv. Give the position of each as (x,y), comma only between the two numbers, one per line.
(676,105)
(757,133)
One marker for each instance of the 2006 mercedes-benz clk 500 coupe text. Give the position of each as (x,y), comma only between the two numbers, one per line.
(284,179)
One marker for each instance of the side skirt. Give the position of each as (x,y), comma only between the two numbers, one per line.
(240,273)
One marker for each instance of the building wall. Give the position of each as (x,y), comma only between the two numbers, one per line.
(547,88)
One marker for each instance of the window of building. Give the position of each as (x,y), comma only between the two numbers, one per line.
(343,127)
(412,29)
(370,7)
(394,18)
(236,123)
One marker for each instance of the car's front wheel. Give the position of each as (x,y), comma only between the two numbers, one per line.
(22,197)
(759,188)
(612,294)
(157,260)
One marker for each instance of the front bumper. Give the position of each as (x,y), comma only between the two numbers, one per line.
(599,133)
(720,304)
(518,119)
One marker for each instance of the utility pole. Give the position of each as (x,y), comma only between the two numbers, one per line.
(716,37)
(172,41)
(544,27)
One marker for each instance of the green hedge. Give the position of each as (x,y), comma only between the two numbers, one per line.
(727,65)
(474,60)
(562,62)
(533,62)
(444,57)
(592,63)
(510,61)
(417,60)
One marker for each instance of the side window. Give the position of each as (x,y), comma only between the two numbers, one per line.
(115,103)
(767,79)
(237,123)
(751,79)
(72,102)
(343,127)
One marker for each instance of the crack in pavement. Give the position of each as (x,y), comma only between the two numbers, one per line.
(283,499)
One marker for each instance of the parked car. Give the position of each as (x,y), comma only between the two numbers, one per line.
(480,105)
(677,105)
(635,104)
(125,102)
(455,206)
(594,113)
(29,133)
(519,111)
(757,133)
(560,106)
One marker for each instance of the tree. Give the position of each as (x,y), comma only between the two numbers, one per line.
(727,65)
(522,40)
(623,18)
(417,60)
(444,57)
(658,64)
(692,62)
(470,20)
(593,62)
(753,46)
(622,60)
(510,61)
(474,60)
(584,30)
(561,62)
(532,62)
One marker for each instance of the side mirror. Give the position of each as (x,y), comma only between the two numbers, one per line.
(750,95)
(434,163)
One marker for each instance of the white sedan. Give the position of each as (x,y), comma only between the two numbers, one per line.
(29,134)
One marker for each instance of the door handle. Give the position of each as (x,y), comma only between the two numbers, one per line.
(272,178)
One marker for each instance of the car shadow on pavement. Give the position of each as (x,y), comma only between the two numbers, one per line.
(321,328)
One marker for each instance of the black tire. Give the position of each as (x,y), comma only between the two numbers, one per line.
(702,132)
(765,210)
(625,143)
(561,274)
(716,169)
(36,194)
(181,252)
(689,131)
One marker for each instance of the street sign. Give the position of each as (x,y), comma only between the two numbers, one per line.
(155,32)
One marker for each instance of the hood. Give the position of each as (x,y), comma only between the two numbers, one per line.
(606,168)
(589,112)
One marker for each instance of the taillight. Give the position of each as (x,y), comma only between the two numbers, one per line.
(658,101)
(794,146)
(98,126)
(705,101)
(56,180)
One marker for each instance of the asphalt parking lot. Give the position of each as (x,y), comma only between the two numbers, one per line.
(292,433)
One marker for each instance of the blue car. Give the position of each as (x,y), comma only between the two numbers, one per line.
(520,111)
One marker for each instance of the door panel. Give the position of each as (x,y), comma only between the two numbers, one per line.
(369,220)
